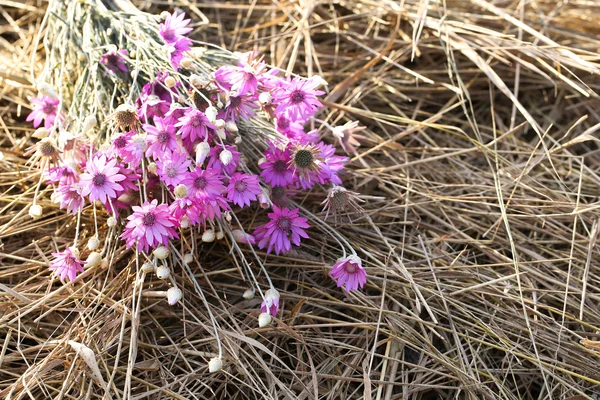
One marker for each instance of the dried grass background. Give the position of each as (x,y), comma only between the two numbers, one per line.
(480,169)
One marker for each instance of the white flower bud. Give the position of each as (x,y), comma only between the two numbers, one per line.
(263,200)
(111,222)
(125,198)
(220,235)
(185,222)
(1,156)
(170,82)
(41,133)
(248,294)
(35,211)
(152,168)
(148,267)
(132,54)
(161,252)
(93,243)
(164,15)
(188,258)
(265,98)
(174,294)
(228,217)
(202,151)
(75,251)
(208,236)
(215,365)
(240,236)
(181,191)
(261,160)
(221,133)
(231,127)
(47,90)
(109,31)
(89,123)
(220,123)
(104,264)
(238,140)
(186,62)
(211,113)
(163,272)
(196,81)
(264,319)
(93,259)
(226,157)
(220,104)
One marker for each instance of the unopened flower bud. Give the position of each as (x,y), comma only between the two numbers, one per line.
(152,168)
(220,104)
(186,62)
(185,222)
(132,54)
(181,191)
(47,90)
(220,235)
(111,222)
(265,98)
(125,198)
(89,123)
(164,15)
(148,267)
(238,140)
(221,133)
(93,259)
(211,113)
(93,243)
(35,211)
(231,127)
(202,151)
(109,31)
(170,82)
(104,264)
(241,237)
(188,258)
(248,294)
(220,123)
(228,217)
(208,236)
(161,252)
(263,199)
(174,294)
(163,272)
(264,319)
(41,133)
(215,365)
(196,81)
(226,157)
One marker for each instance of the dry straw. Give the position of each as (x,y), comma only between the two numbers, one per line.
(479,171)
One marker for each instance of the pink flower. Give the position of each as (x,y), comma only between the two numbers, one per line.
(114,61)
(175,114)
(243,189)
(150,225)
(174,27)
(68,195)
(177,49)
(194,125)
(275,169)
(204,183)
(152,106)
(270,303)
(101,179)
(134,151)
(120,142)
(172,168)
(44,108)
(297,98)
(240,106)
(285,228)
(160,137)
(66,264)
(350,272)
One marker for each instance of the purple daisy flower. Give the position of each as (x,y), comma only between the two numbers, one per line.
(175,114)
(172,168)
(68,195)
(44,108)
(101,179)
(297,98)
(160,138)
(177,49)
(188,207)
(66,264)
(194,125)
(240,107)
(152,106)
(63,174)
(284,228)
(114,60)
(204,183)
(150,225)
(134,151)
(349,272)
(275,170)
(174,27)
(243,189)
(120,142)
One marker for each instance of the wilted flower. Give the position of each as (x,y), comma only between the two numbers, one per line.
(349,272)
(67,264)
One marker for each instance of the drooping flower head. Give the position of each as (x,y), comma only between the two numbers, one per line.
(243,189)
(177,51)
(101,179)
(349,272)
(150,225)
(297,98)
(66,264)
(270,303)
(284,228)
(68,195)
(44,108)
(114,60)
(174,27)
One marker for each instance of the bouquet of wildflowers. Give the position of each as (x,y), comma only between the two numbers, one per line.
(165,141)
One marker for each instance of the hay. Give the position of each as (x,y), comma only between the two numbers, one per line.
(479,168)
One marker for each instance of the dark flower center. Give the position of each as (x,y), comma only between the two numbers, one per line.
(240,186)
(339,199)
(196,121)
(120,142)
(171,172)
(49,108)
(304,158)
(297,96)
(112,59)
(149,219)
(279,166)
(200,183)
(163,137)
(47,149)
(169,35)
(284,224)
(199,100)
(278,192)
(235,101)
(350,268)
(126,119)
(99,179)
(283,124)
